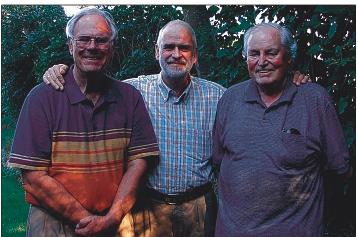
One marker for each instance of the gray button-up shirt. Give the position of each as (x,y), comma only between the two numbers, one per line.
(272,160)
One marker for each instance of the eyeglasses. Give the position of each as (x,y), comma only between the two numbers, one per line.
(84,41)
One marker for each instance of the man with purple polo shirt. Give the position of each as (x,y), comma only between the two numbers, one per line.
(273,140)
(81,152)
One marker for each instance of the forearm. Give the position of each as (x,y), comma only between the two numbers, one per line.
(122,203)
(53,196)
(127,190)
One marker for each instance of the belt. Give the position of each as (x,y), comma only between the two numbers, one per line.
(179,198)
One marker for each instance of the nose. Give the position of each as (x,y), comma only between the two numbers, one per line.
(92,44)
(262,60)
(176,53)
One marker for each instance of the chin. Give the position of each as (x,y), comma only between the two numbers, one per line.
(263,80)
(92,68)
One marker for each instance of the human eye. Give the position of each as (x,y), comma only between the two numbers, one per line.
(253,54)
(102,40)
(84,39)
(272,53)
(168,47)
(185,48)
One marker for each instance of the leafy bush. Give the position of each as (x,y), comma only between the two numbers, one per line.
(33,39)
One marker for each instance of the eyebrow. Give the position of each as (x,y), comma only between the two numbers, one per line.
(178,45)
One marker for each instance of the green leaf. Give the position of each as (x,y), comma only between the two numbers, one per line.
(332,30)
(223,53)
(314,49)
(342,105)
(213,10)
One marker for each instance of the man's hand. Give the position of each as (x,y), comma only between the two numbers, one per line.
(54,76)
(299,78)
(97,225)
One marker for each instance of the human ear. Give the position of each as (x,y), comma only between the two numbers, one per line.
(156,52)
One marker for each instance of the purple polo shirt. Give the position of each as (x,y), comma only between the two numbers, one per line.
(272,160)
(83,146)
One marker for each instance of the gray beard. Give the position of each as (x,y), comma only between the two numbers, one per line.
(172,73)
(175,74)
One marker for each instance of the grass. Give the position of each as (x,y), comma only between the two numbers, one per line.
(14,209)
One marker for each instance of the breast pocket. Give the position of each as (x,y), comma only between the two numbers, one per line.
(199,143)
(296,150)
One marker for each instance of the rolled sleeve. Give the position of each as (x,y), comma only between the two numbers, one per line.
(143,142)
(31,148)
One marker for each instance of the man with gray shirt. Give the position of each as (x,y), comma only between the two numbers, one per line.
(273,140)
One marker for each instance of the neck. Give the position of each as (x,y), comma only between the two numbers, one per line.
(91,84)
(272,92)
(178,85)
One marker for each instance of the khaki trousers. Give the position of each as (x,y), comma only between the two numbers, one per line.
(41,224)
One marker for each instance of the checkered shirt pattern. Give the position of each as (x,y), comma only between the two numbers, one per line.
(183,126)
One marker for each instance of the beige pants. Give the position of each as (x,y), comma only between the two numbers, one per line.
(42,224)
(153,219)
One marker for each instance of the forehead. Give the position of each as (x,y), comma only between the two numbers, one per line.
(92,25)
(176,34)
(264,37)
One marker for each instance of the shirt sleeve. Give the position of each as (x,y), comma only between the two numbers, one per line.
(143,142)
(334,143)
(31,147)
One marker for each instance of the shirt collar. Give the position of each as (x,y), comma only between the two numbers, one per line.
(252,93)
(166,92)
(75,95)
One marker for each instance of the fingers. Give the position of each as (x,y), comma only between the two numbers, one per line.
(87,226)
(82,226)
(54,77)
(53,73)
(84,222)
(62,71)
(296,77)
(56,69)
(63,68)
(299,78)
(307,78)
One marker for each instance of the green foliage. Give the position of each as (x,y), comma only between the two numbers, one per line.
(138,28)
(29,47)
(14,210)
(227,66)
(33,39)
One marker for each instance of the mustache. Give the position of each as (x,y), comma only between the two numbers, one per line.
(92,53)
(264,69)
(170,61)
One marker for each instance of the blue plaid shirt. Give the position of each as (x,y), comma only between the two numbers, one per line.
(183,126)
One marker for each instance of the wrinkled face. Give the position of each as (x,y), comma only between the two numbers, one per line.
(176,52)
(91,48)
(267,60)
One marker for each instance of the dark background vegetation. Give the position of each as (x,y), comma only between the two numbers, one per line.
(33,39)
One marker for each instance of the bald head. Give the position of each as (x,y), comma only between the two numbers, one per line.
(177,24)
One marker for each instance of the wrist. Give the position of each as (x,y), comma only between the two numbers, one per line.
(114,218)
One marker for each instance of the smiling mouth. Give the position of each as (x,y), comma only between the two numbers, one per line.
(176,63)
(264,71)
(92,58)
